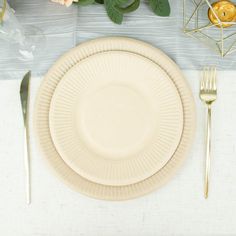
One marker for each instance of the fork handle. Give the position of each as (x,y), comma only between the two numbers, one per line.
(208,151)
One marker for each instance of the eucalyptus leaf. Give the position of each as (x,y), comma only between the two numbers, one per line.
(160,7)
(115,9)
(113,12)
(132,7)
(85,2)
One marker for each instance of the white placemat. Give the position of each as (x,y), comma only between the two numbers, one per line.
(177,209)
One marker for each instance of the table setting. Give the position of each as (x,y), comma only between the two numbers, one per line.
(118,117)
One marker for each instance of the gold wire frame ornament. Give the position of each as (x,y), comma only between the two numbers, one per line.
(208,32)
(2,11)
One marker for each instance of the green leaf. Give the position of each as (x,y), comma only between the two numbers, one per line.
(160,7)
(85,2)
(132,7)
(114,14)
(115,9)
(99,1)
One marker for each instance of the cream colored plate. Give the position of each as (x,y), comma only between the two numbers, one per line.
(116,118)
(41,118)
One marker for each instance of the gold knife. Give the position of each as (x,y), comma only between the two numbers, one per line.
(24,94)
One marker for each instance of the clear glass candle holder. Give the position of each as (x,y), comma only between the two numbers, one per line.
(27,42)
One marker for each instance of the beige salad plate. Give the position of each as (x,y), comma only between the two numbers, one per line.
(116,118)
(109,135)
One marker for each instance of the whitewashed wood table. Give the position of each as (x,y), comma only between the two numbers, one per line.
(177,209)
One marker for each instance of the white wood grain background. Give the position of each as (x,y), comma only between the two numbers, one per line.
(177,209)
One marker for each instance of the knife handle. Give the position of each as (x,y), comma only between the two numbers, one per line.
(27,166)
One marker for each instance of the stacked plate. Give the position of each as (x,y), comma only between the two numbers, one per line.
(114,118)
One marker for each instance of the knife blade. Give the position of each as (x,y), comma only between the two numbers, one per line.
(24,95)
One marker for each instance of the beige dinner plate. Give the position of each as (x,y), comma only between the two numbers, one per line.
(116,118)
(42,107)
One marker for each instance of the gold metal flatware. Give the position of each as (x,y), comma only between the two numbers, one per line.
(208,94)
(24,94)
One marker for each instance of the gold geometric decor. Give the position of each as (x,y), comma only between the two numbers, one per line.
(212,22)
(3,5)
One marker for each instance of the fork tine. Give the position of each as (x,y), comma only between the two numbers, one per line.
(214,79)
(211,75)
(202,79)
(206,78)
(211,78)
(208,81)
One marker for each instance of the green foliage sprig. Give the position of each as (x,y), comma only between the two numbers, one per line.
(117,8)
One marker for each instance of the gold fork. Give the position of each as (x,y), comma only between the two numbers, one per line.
(208,94)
